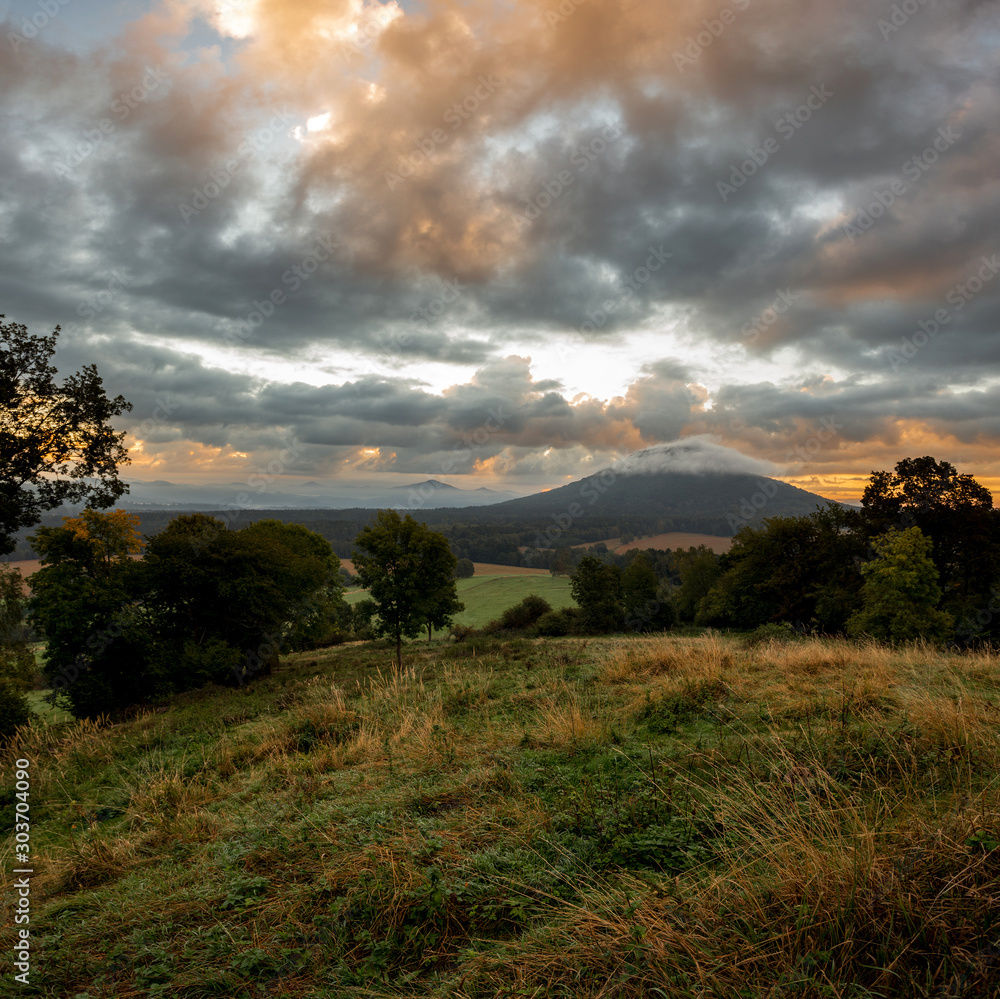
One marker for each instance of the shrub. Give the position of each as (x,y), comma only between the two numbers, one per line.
(460,632)
(465,569)
(17,663)
(14,709)
(521,616)
(765,633)
(555,624)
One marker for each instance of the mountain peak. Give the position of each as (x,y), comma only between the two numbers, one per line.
(696,455)
(433,483)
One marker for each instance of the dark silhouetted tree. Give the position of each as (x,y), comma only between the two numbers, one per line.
(597,587)
(639,599)
(957,513)
(56,444)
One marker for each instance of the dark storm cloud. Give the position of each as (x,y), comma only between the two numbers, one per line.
(813,181)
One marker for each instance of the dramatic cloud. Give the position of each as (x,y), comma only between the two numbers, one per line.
(693,456)
(514,241)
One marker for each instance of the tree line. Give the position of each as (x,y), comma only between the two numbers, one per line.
(205,604)
(919,559)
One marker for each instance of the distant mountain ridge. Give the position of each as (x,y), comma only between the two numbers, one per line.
(430,494)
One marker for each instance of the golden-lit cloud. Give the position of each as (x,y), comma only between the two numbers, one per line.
(314,211)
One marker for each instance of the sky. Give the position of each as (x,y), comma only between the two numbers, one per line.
(506,244)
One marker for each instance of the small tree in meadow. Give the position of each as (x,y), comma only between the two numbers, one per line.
(407,568)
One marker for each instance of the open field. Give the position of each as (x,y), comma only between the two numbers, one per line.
(669,541)
(613,818)
(28,566)
(482,569)
(487,597)
(46,711)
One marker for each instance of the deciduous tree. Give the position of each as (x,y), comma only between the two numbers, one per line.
(407,569)
(56,442)
(597,587)
(901,591)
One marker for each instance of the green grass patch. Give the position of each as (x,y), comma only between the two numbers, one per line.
(487,597)
(50,713)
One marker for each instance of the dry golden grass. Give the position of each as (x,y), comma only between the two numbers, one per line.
(92,859)
(459,820)
(564,720)
(638,660)
(961,724)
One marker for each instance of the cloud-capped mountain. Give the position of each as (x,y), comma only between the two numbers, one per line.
(692,477)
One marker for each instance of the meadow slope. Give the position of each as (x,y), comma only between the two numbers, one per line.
(643,817)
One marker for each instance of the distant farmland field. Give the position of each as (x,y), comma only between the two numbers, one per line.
(482,569)
(663,542)
(487,597)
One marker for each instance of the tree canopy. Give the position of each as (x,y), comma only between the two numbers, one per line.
(597,587)
(955,511)
(56,443)
(206,604)
(901,591)
(408,570)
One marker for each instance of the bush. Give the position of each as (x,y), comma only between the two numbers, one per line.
(460,632)
(465,569)
(17,664)
(521,616)
(361,618)
(555,624)
(765,633)
(214,661)
(14,709)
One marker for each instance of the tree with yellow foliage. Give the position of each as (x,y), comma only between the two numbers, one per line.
(111,537)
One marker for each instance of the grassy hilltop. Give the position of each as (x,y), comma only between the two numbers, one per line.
(662,817)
